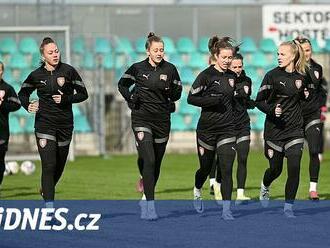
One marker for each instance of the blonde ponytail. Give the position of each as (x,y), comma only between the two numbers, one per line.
(300,63)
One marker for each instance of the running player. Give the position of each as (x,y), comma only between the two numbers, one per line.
(279,98)
(156,86)
(58,86)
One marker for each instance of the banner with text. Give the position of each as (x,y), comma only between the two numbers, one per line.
(283,22)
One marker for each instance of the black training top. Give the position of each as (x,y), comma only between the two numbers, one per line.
(315,81)
(213,91)
(63,79)
(10,103)
(286,89)
(242,101)
(153,90)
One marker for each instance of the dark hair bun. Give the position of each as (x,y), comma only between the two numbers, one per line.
(151,34)
(47,40)
(212,42)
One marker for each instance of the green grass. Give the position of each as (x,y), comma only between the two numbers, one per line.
(115,178)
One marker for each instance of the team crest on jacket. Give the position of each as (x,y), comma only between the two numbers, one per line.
(163,77)
(231,82)
(201,150)
(270,153)
(60,81)
(42,143)
(2,93)
(246,89)
(298,83)
(140,135)
(317,74)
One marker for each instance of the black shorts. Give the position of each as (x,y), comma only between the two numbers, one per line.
(213,141)
(243,135)
(289,146)
(159,130)
(62,136)
(312,132)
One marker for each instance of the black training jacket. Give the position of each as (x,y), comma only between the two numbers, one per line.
(150,91)
(63,79)
(10,103)
(286,89)
(213,91)
(315,81)
(242,101)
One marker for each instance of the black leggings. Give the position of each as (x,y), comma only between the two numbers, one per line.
(313,137)
(53,150)
(226,155)
(242,150)
(150,156)
(275,158)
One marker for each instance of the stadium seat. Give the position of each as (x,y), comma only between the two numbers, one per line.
(76,110)
(185,108)
(194,121)
(34,96)
(88,61)
(8,46)
(248,45)
(169,46)
(108,61)
(81,124)
(185,45)
(8,77)
(327,45)
(203,45)
(14,125)
(102,46)
(197,61)
(17,61)
(140,45)
(78,45)
(259,59)
(177,60)
(187,75)
(177,122)
(24,74)
(123,45)
(21,113)
(28,45)
(257,120)
(29,123)
(267,45)
(315,46)
(36,60)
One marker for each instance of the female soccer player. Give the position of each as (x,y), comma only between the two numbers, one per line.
(242,121)
(279,98)
(213,91)
(312,114)
(156,86)
(58,86)
(8,103)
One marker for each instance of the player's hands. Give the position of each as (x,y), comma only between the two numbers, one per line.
(58,98)
(278,110)
(324,109)
(33,107)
